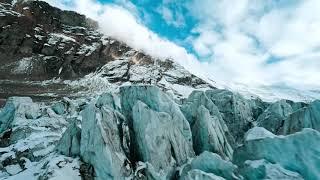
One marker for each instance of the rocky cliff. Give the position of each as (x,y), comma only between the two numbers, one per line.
(99,109)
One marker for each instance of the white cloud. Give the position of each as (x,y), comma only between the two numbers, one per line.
(252,32)
(172,16)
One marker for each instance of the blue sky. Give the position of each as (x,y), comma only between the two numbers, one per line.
(252,42)
(151,15)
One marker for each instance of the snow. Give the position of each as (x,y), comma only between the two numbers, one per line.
(44,152)
(60,70)
(56,37)
(24,65)
(4,11)
(272,93)
(38,29)
(64,168)
(39,37)
(53,167)
(258,133)
(177,72)
(6,155)
(13,169)
(88,49)
(105,40)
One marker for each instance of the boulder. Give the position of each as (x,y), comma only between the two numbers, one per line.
(307,117)
(236,111)
(288,151)
(274,116)
(100,143)
(262,169)
(69,144)
(159,140)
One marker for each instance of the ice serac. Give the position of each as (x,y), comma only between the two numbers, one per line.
(307,117)
(212,163)
(236,110)
(258,107)
(209,131)
(158,101)
(274,116)
(200,175)
(298,152)
(159,140)
(262,169)
(100,143)
(17,108)
(69,144)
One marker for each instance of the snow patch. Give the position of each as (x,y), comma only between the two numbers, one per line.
(13,169)
(87,50)
(258,133)
(56,37)
(23,66)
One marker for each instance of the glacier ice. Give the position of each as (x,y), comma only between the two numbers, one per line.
(297,152)
(306,117)
(274,116)
(209,131)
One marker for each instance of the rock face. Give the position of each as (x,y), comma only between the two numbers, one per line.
(209,131)
(236,110)
(307,117)
(290,152)
(274,116)
(101,143)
